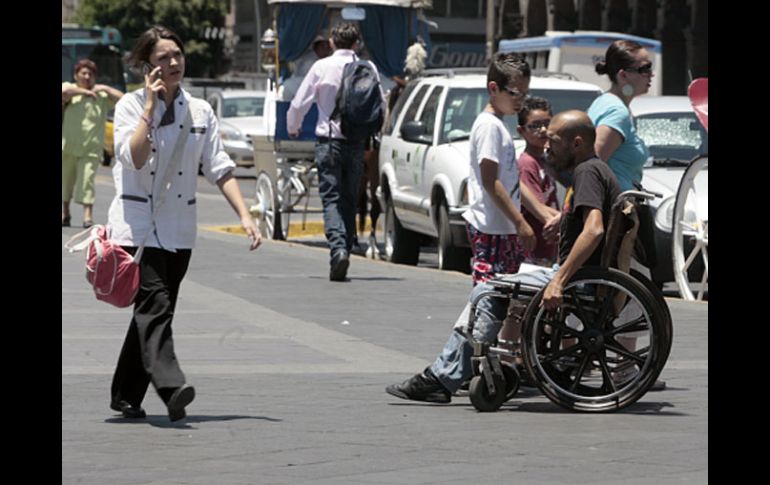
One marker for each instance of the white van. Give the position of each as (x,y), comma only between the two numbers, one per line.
(578,52)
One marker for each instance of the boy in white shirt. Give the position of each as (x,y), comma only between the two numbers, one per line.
(500,237)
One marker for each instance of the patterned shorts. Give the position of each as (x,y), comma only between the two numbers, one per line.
(493,253)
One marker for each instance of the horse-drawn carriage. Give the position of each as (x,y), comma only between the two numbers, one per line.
(285,167)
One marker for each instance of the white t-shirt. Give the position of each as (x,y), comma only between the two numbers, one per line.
(490,139)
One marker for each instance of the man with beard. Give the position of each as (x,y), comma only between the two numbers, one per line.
(586,212)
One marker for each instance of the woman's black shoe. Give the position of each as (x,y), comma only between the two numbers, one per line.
(128,411)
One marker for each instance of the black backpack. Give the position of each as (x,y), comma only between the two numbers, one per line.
(358,105)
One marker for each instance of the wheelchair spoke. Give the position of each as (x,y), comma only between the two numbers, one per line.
(607,314)
(566,331)
(632,326)
(578,307)
(620,350)
(606,375)
(562,353)
(581,370)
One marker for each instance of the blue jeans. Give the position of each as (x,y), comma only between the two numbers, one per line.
(340,165)
(453,365)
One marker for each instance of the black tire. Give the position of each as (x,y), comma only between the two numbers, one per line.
(266,198)
(511,380)
(401,245)
(480,397)
(668,326)
(591,313)
(450,257)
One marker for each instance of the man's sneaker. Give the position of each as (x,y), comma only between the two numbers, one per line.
(421,387)
(179,399)
(339,265)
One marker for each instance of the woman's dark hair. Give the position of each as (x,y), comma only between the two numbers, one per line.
(88,63)
(146,43)
(506,67)
(533,103)
(619,55)
(345,35)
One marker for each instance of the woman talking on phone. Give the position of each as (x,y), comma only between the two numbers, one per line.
(162,135)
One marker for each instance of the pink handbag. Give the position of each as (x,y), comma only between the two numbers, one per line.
(111,270)
(113,273)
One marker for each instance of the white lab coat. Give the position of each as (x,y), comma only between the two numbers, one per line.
(130,213)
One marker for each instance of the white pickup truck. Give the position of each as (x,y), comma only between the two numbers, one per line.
(424,159)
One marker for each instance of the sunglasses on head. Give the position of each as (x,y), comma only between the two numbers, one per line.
(645,69)
(514,93)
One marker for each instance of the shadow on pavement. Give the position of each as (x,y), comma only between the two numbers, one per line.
(161,420)
(639,408)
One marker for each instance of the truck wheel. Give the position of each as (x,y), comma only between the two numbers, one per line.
(401,245)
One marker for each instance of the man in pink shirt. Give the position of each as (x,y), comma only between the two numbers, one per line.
(340,161)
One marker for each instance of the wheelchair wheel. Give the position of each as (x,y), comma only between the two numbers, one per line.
(511,380)
(480,396)
(603,348)
(668,327)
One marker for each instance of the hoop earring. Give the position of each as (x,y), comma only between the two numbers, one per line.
(627,90)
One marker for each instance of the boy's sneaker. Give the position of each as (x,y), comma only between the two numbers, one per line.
(421,387)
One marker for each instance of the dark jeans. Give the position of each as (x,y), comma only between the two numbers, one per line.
(148,349)
(340,165)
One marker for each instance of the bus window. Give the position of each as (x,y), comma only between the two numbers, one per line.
(101,45)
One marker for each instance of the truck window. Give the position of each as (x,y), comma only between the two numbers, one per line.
(428,115)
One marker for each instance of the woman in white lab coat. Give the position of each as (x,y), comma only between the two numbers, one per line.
(149,123)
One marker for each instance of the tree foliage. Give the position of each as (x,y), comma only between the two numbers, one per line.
(188,18)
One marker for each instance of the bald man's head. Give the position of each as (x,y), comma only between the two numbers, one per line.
(571,137)
(572,123)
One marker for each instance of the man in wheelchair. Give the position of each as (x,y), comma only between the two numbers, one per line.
(586,215)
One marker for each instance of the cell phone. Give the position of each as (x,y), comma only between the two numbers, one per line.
(147,68)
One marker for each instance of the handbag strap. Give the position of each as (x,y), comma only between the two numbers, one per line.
(78,242)
(174,161)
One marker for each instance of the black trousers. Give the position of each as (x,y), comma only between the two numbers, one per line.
(148,349)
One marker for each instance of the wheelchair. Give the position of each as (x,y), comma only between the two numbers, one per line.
(576,354)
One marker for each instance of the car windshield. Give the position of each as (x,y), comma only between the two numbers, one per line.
(672,138)
(239,107)
(464,104)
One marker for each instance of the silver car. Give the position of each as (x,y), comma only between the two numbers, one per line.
(674,136)
(240,115)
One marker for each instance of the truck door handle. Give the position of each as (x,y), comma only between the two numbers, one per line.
(407,156)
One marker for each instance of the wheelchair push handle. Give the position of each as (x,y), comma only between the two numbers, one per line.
(641,195)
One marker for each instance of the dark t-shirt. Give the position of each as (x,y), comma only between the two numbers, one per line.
(595,188)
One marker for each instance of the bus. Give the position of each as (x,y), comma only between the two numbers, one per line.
(577,53)
(103,45)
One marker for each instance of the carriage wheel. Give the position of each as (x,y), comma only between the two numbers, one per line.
(265,208)
(690,231)
(576,355)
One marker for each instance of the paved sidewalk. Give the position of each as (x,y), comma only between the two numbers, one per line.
(290,372)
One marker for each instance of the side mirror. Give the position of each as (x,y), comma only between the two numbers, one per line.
(415,132)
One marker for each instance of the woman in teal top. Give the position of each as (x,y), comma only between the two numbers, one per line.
(629,68)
